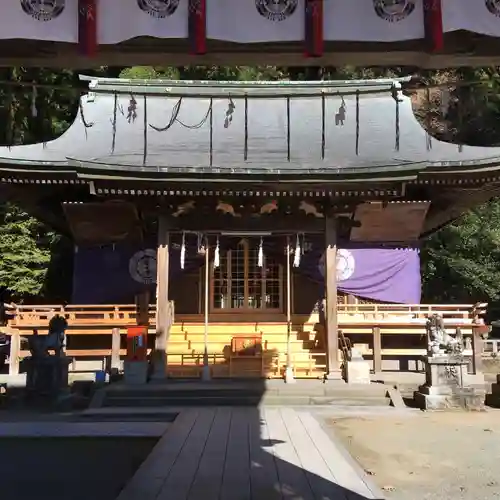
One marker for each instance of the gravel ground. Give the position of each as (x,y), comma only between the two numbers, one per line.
(427,456)
(68,469)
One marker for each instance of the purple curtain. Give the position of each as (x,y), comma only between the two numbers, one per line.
(114,274)
(382,274)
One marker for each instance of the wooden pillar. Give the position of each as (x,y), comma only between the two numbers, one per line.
(377,350)
(15,352)
(115,351)
(477,350)
(87,27)
(205,374)
(331,320)
(142,308)
(163,320)
(289,376)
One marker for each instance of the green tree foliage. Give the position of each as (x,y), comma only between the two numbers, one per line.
(25,252)
(461,263)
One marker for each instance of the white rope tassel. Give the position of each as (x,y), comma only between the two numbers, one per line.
(183,250)
(296,255)
(260,262)
(217,255)
(34,95)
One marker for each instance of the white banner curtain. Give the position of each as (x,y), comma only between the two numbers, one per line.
(244,21)
(478,16)
(120,20)
(373,21)
(54,20)
(254,21)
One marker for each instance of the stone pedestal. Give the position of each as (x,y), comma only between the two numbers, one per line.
(135,372)
(358,371)
(493,399)
(447,386)
(47,376)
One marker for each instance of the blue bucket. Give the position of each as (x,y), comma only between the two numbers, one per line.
(100,377)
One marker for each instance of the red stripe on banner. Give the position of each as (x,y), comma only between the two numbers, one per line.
(433,21)
(87,27)
(197,26)
(314,28)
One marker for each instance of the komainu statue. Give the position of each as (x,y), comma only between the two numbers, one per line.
(441,342)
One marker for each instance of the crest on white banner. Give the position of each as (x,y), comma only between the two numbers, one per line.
(393,10)
(493,6)
(276,10)
(158,8)
(345,264)
(43,10)
(142,266)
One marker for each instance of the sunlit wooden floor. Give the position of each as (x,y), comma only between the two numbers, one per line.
(247,454)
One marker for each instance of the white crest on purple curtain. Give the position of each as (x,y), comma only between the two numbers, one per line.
(43,10)
(493,7)
(158,8)
(346,264)
(276,10)
(393,10)
(142,266)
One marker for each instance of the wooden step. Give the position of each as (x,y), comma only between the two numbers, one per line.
(236,328)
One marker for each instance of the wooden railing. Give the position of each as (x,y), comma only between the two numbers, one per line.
(95,317)
(355,321)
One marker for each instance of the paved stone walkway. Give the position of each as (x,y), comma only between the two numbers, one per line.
(248,454)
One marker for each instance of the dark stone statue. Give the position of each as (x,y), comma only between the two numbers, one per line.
(47,375)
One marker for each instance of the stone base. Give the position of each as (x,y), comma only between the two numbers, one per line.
(333,375)
(448,385)
(47,376)
(358,372)
(447,398)
(135,372)
(432,402)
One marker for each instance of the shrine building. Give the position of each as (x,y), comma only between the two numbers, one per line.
(264,219)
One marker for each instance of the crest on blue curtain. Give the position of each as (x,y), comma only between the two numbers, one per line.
(142,266)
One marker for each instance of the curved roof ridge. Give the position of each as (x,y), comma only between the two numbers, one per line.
(242,88)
